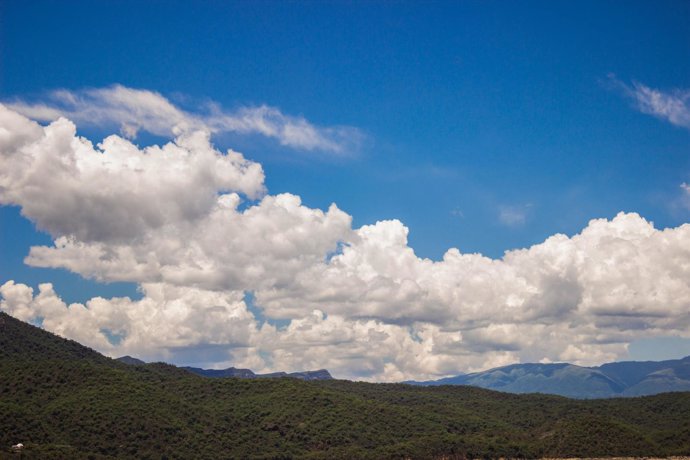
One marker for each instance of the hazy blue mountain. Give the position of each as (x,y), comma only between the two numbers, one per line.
(321,374)
(609,380)
(229,372)
(634,373)
(675,378)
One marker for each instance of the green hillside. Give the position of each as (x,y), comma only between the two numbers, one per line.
(63,400)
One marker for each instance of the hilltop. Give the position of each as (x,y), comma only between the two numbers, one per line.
(63,400)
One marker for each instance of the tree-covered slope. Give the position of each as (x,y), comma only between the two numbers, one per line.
(65,401)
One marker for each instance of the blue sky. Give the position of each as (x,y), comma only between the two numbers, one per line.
(481,126)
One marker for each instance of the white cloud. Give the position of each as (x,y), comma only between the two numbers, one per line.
(685,195)
(513,216)
(360,301)
(115,191)
(672,106)
(132,110)
(265,245)
(169,319)
(166,318)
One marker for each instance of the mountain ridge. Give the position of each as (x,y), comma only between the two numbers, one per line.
(320,374)
(234,372)
(616,379)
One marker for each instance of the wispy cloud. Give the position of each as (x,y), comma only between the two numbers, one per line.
(672,106)
(133,110)
(457,212)
(513,216)
(685,197)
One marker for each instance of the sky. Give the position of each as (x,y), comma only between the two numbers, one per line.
(389,190)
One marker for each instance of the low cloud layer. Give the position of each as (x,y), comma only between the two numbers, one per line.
(132,110)
(359,301)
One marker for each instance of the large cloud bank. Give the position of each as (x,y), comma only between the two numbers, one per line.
(358,300)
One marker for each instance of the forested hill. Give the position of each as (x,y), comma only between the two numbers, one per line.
(62,400)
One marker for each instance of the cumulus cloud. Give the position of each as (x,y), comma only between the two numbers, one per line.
(115,190)
(170,319)
(357,301)
(166,318)
(672,106)
(621,274)
(264,245)
(132,110)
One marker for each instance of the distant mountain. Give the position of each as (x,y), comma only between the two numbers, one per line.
(129,360)
(609,380)
(219,373)
(650,377)
(321,374)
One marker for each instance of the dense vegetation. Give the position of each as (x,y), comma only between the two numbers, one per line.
(63,400)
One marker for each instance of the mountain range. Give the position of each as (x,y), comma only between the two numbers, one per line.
(619,379)
(321,374)
(61,400)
